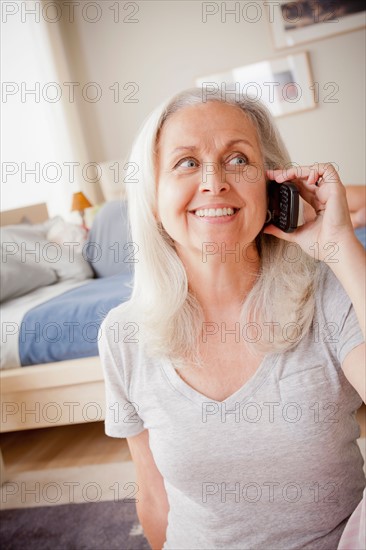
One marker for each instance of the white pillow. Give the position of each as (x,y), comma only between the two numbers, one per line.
(62,232)
(69,239)
(21,275)
(66,260)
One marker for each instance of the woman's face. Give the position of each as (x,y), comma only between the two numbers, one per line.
(209,160)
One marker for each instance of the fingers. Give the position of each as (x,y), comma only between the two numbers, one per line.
(309,212)
(311,181)
(315,175)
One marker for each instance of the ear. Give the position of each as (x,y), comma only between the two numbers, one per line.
(156,215)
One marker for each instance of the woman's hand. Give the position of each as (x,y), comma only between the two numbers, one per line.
(320,186)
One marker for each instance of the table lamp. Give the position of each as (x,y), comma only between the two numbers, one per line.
(79,203)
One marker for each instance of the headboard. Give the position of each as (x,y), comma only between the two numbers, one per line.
(35,213)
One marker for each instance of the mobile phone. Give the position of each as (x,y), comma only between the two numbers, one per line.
(283,204)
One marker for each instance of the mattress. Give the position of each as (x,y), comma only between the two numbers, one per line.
(59,322)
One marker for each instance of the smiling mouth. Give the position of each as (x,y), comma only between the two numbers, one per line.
(214,212)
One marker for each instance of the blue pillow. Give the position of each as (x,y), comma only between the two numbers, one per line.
(360,233)
(109,248)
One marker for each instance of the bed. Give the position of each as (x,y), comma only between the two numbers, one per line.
(63,385)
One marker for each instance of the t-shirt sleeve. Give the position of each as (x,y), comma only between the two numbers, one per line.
(121,414)
(342,328)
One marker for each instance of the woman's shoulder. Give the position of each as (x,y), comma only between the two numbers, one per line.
(119,314)
(331,298)
(326,283)
(336,315)
(120,328)
(126,312)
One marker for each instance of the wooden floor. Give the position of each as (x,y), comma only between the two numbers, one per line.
(74,445)
(361,417)
(61,447)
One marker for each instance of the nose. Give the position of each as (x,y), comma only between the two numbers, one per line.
(213,179)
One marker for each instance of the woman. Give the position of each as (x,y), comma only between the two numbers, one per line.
(236,367)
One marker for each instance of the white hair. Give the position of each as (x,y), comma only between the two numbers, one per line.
(280,305)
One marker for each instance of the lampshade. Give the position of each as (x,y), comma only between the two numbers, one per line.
(79,202)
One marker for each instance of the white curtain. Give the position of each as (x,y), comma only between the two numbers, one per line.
(44,155)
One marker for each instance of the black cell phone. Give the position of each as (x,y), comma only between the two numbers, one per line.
(283,203)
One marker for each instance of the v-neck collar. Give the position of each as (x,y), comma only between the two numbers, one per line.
(244,393)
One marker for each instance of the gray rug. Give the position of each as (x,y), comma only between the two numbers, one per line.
(87,526)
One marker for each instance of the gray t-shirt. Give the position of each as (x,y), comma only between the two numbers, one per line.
(276,465)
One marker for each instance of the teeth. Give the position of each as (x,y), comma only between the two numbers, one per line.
(212,212)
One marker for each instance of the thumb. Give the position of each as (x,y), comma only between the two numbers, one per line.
(277,232)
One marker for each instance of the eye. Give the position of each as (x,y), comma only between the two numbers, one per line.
(191,163)
(241,158)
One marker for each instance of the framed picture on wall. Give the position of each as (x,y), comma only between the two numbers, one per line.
(302,21)
(285,85)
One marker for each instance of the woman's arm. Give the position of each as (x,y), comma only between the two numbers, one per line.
(351,272)
(320,186)
(152,506)
(350,269)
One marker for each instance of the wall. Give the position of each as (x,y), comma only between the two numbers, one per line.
(162,52)
(170,45)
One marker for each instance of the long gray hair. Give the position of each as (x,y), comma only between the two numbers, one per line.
(279,308)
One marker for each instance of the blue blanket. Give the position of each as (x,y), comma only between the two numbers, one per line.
(66,327)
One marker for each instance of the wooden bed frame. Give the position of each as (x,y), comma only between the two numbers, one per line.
(51,394)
